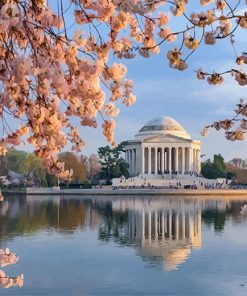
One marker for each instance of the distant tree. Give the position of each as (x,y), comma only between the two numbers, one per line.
(3,169)
(51,180)
(121,168)
(14,160)
(219,161)
(112,163)
(93,167)
(237,168)
(73,162)
(84,160)
(215,169)
(231,175)
(33,169)
(238,163)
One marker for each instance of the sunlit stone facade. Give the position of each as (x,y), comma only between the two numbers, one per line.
(163,146)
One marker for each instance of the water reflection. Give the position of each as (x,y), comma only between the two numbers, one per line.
(164,232)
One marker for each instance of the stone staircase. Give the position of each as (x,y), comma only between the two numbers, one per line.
(165,181)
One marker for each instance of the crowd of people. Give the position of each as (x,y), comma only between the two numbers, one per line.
(134,183)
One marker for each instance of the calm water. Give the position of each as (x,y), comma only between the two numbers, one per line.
(125,246)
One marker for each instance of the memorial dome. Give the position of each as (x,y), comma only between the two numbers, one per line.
(163,125)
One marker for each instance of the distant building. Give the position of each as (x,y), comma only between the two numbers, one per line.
(163,146)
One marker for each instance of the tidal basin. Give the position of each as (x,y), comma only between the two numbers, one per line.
(126,245)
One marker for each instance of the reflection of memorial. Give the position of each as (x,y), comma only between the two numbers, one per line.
(165,229)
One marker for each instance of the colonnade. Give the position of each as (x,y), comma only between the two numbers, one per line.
(161,160)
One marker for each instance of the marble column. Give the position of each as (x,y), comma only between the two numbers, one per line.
(130,161)
(197,160)
(185,156)
(143,160)
(149,160)
(162,160)
(170,159)
(183,160)
(189,159)
(133,161)
(166,159)
(176,159)
(194,160)
(155,161)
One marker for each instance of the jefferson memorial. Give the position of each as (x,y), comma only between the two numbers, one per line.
(163,146)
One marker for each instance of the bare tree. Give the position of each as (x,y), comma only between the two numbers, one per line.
(238,163)
(92,165)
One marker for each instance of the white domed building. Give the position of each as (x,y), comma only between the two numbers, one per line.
(163,146)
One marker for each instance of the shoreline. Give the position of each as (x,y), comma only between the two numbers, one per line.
(133,192)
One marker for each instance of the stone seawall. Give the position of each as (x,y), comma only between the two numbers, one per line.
(140,192)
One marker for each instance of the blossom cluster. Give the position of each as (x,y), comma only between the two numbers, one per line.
(7,282)
(7,258)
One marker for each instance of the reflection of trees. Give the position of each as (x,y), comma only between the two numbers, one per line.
(219,217)
(18,215)
(113,227)
(72,214)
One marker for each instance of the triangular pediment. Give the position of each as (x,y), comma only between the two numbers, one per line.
(166,139)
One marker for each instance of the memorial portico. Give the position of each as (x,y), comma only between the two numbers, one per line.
(163,146)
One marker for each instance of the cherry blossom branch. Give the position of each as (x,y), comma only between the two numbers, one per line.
(227,124)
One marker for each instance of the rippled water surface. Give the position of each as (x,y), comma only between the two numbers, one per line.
(126,245)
